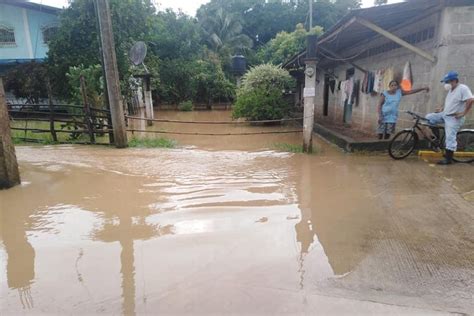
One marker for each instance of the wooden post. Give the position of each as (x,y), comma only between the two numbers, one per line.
(9,173)
(87,111)
(51,113)
(106,95)
(111,73)
(309,94)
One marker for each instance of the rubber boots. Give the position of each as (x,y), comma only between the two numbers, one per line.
(448,158)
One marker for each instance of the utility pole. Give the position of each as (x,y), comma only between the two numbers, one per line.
(9,174)
(111,73)
(309,93)
(310,15)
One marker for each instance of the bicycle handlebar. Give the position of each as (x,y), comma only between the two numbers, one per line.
(416,115)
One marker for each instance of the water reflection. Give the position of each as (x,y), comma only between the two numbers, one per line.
(122,221)
(213,232)
(77,201)
(339,220)
(21,256)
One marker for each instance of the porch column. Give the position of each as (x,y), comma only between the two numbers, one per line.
(309,93)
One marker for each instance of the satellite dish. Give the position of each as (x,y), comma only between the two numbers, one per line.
(137,53)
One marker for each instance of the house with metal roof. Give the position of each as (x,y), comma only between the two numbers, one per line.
(25,29)
(424,38)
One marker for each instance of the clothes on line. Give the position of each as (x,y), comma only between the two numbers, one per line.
(355,93)
(378,80)
(332,85)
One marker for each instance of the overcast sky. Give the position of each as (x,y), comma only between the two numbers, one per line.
(188,6)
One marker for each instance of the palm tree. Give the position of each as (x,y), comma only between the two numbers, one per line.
(224,33)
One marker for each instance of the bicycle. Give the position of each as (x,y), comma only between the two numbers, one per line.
(405,141)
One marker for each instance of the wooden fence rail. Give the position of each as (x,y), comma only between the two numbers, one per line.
(76,120)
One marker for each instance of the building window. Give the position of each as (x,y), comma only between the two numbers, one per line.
(48,33)
(7,36)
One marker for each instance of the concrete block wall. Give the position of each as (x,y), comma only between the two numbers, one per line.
(456,48)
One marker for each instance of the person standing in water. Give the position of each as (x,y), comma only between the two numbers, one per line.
(388,108)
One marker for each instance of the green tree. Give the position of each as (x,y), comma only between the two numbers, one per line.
(94,84)
(260,97)
(285,45)
(210,82)
(77,43)
(28,81)
(262,20)
(223,33)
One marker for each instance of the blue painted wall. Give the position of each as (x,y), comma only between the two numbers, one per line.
(29,45)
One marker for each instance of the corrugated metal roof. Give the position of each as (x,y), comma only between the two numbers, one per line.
(32,6)
(346,32)
(387,17)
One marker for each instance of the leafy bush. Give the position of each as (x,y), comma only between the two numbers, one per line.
(210,83)
(185,106)
(266,77)
(260,96)
(93,81)
(261,105)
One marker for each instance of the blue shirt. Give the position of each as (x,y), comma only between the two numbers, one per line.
(390,106)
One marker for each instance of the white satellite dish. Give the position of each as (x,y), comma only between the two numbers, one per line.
(137,53)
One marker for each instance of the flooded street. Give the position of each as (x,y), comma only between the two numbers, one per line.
(229,225)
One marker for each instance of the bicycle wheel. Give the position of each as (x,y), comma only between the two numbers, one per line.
(402,144)
(465,151)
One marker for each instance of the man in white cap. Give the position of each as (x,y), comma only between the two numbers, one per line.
(457,105)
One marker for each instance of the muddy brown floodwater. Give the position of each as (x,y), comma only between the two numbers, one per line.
(227,225)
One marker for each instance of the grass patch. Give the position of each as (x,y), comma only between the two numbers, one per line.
(45,138)
(185,106)
(292,148)
(152,143)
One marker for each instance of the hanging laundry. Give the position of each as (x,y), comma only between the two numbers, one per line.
(378,81)
(355,93)
(332,85)
(342,93)
(407,80)
(349,87)
(387,77)
(365,81)
(370,82)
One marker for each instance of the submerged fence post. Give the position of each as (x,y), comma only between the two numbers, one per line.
(51,113)
(87,111)
(9,173)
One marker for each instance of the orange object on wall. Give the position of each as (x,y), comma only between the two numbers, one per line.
(407,81)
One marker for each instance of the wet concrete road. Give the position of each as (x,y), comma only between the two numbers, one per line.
(202,230)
